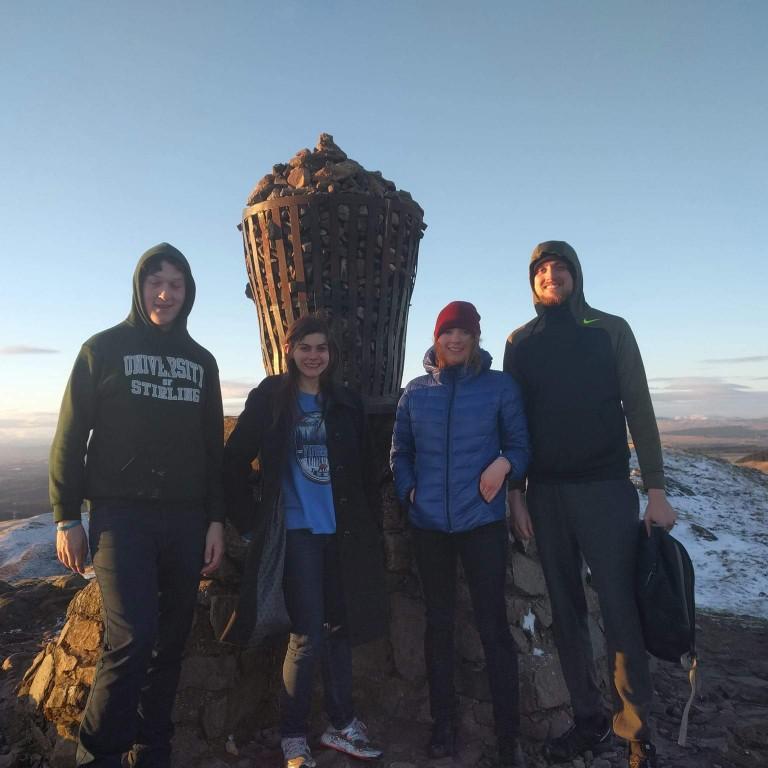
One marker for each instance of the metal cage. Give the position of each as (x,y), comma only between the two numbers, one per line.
(353,256)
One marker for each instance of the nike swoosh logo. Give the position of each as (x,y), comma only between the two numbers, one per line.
(589,322)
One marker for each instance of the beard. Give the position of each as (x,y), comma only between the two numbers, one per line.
(553,301)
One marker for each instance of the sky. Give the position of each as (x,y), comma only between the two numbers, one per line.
(635,131)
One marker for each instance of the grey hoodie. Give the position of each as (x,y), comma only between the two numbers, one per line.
(141,417)
(583,382)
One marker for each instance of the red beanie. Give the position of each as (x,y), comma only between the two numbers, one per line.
(458,314)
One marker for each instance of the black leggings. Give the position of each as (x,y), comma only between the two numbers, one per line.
(483,553)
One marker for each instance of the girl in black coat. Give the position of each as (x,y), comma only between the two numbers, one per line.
(309,436)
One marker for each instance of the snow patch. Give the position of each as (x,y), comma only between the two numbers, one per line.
(723,523)
(528,622)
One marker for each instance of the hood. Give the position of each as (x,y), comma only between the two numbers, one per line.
(430,365)
(560,250)
(138,315)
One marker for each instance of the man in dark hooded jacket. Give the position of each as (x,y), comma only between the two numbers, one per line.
(140,436)
(583,382)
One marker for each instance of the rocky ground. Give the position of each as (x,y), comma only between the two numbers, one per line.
(728,726)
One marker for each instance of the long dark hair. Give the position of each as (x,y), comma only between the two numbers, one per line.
(286,400)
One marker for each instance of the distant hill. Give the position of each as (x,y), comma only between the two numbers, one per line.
(756,460)
(734,431)
(23,489)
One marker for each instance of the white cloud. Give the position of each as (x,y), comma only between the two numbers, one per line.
(708,395)
(753,359)
(27,428)
(23,349)
(232,389)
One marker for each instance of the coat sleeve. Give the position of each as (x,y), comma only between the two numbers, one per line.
(243,446)
(213,433)
(76,420)
(402,457)
(515,480)
(638,408)
(514,429)
(371,470)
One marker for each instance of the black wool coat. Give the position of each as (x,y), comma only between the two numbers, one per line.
(358,526)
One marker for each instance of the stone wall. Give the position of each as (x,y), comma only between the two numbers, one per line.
(227,692)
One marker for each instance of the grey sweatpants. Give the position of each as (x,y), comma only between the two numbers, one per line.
(598,520)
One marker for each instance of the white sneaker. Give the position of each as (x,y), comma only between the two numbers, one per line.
(352,740)
(296,753)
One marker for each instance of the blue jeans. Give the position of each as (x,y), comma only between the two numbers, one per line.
(315,603)
(483,553)
(147,557)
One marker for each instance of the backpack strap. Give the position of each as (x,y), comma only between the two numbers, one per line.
(688,662)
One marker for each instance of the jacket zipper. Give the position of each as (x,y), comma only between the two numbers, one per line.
(448,454)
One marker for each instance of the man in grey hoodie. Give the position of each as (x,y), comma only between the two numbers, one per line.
(140,436)
(583,382)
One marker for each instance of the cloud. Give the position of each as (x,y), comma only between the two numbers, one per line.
(22,349)
(753,359)
(700,385)
(24,428)
(233,388)
(709,395)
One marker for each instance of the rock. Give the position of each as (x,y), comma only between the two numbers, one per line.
(468,643)
(84,635)
(472,680)
(208,673)
(407,636)
(63,755)
(527,575)
(214,718)
(39,738)
(398,551)
(345,169)
(702,532)
(42,681)
(549,685)
(17,661)
(300,177)
(749,688)
(300,158)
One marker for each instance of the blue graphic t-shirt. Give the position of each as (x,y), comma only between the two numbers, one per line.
(307,494)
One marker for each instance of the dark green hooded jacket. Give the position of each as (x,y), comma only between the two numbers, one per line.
(150,402)
(583,382)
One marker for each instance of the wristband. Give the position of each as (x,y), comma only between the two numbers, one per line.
(65,525)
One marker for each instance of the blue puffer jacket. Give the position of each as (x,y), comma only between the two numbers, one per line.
(450,425)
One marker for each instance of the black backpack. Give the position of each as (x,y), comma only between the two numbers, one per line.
(664,588)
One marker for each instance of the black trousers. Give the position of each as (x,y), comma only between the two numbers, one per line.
(147,557)
(599,521)
(483,553)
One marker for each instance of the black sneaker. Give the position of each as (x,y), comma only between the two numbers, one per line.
(443,740)
(511,755)
(580,739)
(641,754)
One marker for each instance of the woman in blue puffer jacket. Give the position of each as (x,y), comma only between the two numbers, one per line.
(460,431)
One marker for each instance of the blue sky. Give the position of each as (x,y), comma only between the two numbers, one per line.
(636,131)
